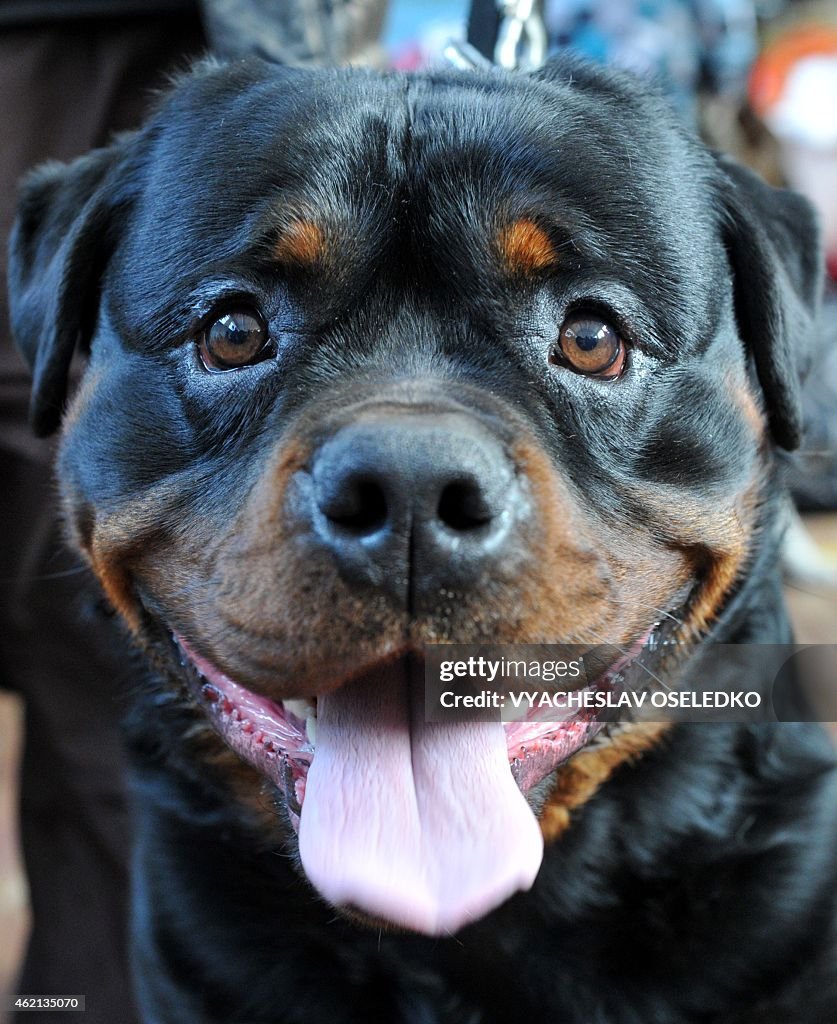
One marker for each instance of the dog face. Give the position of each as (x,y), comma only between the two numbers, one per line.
(377,361)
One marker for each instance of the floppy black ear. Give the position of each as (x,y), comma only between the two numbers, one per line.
(773,242)
(57,252)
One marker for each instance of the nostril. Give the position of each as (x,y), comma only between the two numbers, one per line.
(463,506)
(360,505)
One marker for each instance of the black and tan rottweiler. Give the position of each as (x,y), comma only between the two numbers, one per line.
(377,361)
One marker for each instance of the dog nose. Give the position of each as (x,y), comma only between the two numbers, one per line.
(415,503)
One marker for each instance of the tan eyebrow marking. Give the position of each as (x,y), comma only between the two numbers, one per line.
(302,243)
(525,247)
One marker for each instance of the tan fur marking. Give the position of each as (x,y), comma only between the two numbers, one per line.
(525,248)
(584,773)
(719,579)
(82,398)
(727,561)
(591,582)
(301,244)
(747,403)
(116,583)
(714,538)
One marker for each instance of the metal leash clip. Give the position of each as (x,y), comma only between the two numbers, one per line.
(465,57)
(521,40)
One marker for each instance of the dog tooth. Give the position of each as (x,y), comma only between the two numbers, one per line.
(311,729)
(301,707)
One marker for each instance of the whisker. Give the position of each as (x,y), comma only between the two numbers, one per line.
(45,576)
(662,611)
(626,652)
(830,597)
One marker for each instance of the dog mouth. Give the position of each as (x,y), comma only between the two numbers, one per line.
(424,825)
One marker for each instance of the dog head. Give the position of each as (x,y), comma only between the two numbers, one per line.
(377,361)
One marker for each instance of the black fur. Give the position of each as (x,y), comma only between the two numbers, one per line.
(698,884)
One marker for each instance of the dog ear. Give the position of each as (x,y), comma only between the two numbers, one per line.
(57,252)
(773,242)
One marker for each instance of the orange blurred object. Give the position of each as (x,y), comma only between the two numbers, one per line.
(770,71)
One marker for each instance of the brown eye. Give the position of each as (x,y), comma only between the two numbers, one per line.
(589,345)
(236,339)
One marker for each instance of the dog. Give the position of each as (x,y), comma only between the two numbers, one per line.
(377,361)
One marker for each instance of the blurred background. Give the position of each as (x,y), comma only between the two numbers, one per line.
(757,79)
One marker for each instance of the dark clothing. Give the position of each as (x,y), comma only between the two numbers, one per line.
(27,12)
(65,89)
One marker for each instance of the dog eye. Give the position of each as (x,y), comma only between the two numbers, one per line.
(236,339)
(589,345)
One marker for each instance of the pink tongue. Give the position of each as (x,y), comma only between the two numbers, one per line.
(416,822)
